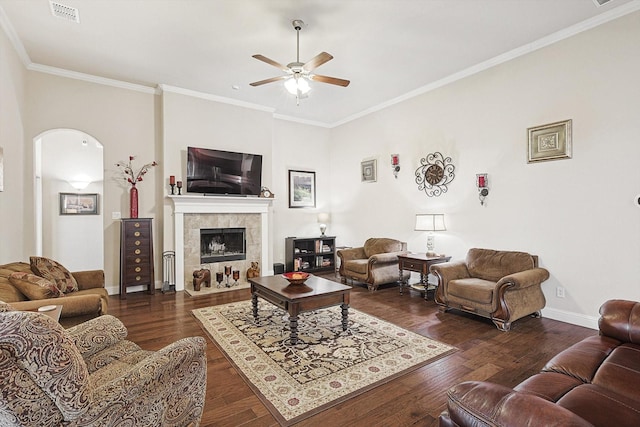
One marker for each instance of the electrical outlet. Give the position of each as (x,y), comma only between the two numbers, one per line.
(560,292)
(116,215)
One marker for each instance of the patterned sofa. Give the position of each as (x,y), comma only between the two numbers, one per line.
(88,301)
(90,375)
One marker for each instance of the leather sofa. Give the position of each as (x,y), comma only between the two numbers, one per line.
(90,375)
(375,263)
(595,382)
(503,286)
(89,301)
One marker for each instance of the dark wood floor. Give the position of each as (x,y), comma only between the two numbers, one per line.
(415,399)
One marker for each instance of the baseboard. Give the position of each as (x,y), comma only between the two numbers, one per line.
(570,317)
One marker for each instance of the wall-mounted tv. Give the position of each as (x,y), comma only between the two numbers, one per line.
(223,172)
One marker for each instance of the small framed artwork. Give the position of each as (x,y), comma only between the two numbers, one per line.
(549,142)
(368,170)
(78,204)
(302,189)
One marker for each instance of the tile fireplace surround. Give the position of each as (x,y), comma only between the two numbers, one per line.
(190,211)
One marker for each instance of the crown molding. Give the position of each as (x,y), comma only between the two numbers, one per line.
(588,24)
(91,78)
(203,95)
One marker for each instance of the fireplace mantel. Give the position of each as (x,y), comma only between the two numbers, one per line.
(200,204)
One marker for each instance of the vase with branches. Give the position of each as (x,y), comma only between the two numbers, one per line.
(132,177)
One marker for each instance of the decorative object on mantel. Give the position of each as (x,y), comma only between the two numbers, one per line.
(133,178)
(434,174)
(549,142)
(266,193)
(172,183)
(179,185)
(395,164)
(430,223)
(482,182)
(327,367)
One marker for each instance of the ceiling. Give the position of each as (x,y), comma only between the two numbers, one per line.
(388,49)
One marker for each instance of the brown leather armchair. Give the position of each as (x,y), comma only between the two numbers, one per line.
(503,286)
(375,263)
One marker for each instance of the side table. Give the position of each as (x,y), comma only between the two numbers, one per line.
(419,263)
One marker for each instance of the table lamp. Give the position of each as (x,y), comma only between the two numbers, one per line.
(430,223)
(323,219)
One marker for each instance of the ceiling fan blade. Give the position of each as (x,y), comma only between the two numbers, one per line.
(317,61)
(330,80)
(271,80)
(270,62)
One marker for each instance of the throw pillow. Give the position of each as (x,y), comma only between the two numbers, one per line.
(50,269)
(34,287)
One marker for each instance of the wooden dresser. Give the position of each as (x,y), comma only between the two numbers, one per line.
(136,254)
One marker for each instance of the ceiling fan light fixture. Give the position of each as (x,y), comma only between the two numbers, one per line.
(297,85)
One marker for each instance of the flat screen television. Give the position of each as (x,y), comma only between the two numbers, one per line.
(223,172)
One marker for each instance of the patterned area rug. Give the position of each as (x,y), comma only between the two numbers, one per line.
(326,367)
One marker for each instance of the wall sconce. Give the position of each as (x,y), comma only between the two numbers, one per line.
(482,182)
(395,164)
(430,223)
(80,182)
(323,219)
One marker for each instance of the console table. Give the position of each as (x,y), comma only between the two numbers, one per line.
(419,263)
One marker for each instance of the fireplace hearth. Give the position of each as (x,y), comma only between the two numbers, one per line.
(222,244)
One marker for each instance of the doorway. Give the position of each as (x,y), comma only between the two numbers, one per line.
(69,164)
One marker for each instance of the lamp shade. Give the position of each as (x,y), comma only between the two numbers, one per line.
(430,222)
(323,217)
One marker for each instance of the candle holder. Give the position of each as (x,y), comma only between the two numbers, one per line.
(219,279)
(172,183)
(179,185)
(173,186)
(482,182)
(236,276)
(227,272)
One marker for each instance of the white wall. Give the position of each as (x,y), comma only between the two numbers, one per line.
(125,122)
(578,215)
(13,227)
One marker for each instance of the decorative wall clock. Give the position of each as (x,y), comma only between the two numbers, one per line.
(434,174)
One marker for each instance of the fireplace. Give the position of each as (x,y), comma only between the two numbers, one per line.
(193,212)
(222,244)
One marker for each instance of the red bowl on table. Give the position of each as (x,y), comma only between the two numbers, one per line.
(296,277)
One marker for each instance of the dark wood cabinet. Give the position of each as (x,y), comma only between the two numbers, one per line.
(310,254)
(136,254)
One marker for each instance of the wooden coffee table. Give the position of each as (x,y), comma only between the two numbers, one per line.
(313,294)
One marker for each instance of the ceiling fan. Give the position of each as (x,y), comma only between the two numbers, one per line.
(299,74)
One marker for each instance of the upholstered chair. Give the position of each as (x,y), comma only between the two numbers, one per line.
(503,286)
(375,263)
(90,375)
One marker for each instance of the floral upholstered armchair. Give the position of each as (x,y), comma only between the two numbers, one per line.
(89,375)
(375,263)
(501,285)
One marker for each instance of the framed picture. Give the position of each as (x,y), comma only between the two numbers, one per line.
(302,189)
(78,204)
(368,170)
(549,142)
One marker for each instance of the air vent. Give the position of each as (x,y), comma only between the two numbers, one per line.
(601,2)
(65,12)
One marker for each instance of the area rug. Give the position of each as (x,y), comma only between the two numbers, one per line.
(326,367)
